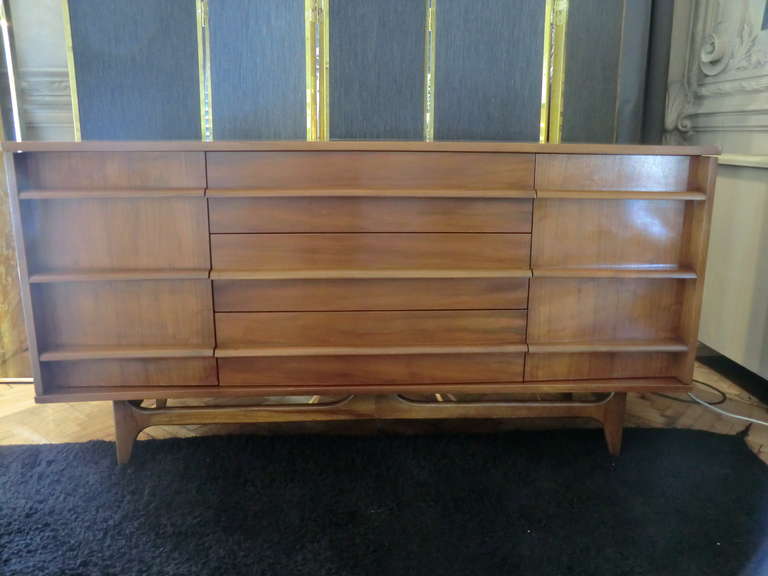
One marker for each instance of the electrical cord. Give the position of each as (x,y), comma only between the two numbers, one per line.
(715,389)
(724,413)
(712,405)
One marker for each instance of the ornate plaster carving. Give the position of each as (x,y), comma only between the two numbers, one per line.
(727,71)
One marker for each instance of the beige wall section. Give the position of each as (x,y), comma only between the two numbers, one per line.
(735,320)
(718,94)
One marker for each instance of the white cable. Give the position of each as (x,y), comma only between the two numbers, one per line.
(724,413)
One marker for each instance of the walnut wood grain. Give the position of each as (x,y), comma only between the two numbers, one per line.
(333,214)
(614,172)
(154,313)
(356,267)
(641,234)
(582,310)
(349,170)
(431,328)
(119,234)
(146,372)
(698,219)
(636,385)
(371,370)
(317,252)
(370,294)
(590,366)
(355,145)
(110,170)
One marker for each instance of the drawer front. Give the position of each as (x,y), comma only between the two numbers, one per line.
(612,172)
(336,214)
(321,330)
(374,252)
(605,309)
(110,170)
(371,370)
(132,314)
(145,372)
(370,294)
(387,170)
(603,365)
(116,234)
(598,233)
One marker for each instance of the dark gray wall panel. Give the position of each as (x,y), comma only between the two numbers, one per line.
(258,69)
(633,71)
(591,70)
(488,69)
(659,47)
(136,66)
(377,69)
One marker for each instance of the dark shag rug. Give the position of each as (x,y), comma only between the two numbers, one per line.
(543,503)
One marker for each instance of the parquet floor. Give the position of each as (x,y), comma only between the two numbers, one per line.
(24,422)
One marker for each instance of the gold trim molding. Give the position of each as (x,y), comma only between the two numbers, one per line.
(316,35)
(558,36)
(204,70)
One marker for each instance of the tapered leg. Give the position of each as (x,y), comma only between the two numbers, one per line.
(613,422)
(126,430)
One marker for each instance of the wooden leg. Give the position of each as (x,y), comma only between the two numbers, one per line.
(613,422)
(126,429)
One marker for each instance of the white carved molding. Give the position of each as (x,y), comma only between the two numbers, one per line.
(725,84)
(45,97)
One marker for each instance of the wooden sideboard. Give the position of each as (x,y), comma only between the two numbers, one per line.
(183,269)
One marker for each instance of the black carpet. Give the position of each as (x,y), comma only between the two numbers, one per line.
(540,503)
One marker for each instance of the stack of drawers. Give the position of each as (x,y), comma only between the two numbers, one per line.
(370,269)
(206,270)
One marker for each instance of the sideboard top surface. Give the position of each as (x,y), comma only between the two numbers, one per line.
(341,145)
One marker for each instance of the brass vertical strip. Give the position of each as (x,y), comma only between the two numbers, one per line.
(429,70)
(557,77)
(324,68)
(546,72)
(316,35)
(71,69)
(310,45)
(204,70)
